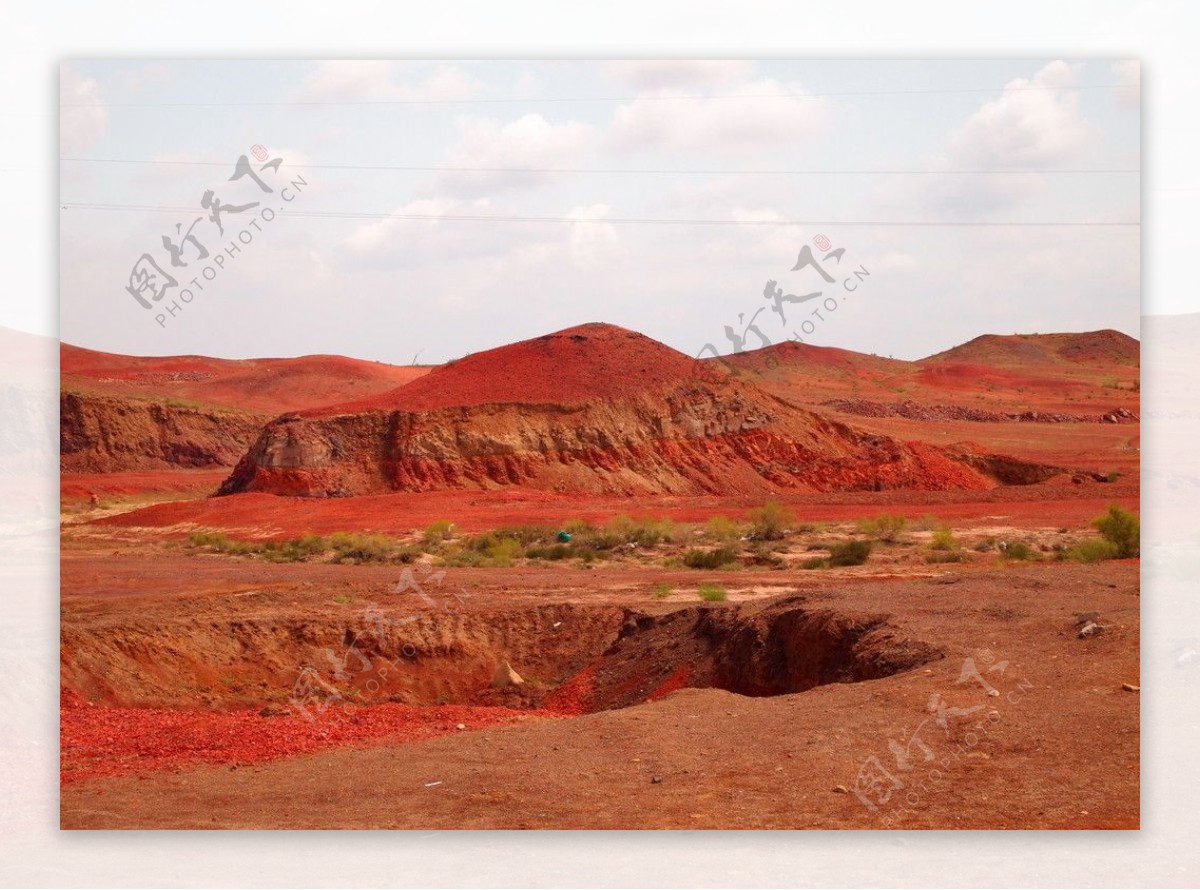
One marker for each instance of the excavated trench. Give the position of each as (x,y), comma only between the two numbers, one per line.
(566,658)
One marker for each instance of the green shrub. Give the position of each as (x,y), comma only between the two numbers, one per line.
(712,593)
(944,556)
(662,591)
(528,534)
(642,532)
(722,528)
(770,521)
(709,559)
(1093,550)
(850,553)
(552,552)
(438,532)
(883,528)
(943,539)
(357,549)
(503,551)
(815,562)
(1018,550)
(1122,529)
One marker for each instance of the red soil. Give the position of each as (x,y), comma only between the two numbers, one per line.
(267,385)
(580,364)
(107,741)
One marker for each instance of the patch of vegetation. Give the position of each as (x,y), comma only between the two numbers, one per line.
(944,556)
(883,528)
(643,532)
(1018,551)
(341,599)
(712,593)
(358,549)
(709,559)
(553,552)
(943,539)
(722,528)
(1092,550)
(438,533)
(770,521)
(662,591)
(1122,529)
(850,553)
(815,562)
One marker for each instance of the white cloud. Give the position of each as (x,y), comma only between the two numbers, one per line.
(1128,72)
(81,125)
(386,81)
(529,142)
(659,74)
(760,114)
(1035,123)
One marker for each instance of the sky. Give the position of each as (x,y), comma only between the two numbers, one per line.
(422,210)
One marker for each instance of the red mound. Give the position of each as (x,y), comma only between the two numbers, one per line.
(579,364)
(595,409)
(266,385)
(1105,347)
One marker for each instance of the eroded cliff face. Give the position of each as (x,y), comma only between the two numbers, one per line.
(690,442)
(595,410)
(102,434)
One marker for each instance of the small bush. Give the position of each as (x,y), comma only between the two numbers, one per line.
(770,521)
(642,532)
(1018,550)
(883,528)
(850,553)
(1092,550)
(815,562)
(943,539)
(358,549)
(721,528)
(712,593)
(709,559)
(662,591)
(527,534)
(437,532)
(944,556)
(553,552)
(504,551)
(1122,529)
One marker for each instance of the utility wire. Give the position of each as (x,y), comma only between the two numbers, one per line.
(330,214)
(605,170)
(640,98)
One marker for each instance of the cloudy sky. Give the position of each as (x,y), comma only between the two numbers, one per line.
(438,208)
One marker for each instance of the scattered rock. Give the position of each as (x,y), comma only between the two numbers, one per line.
(1129,687)
(1090,629)
(840,789)
(461,726)
(656,780)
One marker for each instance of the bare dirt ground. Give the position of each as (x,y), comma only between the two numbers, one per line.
(210,681)
(853,702)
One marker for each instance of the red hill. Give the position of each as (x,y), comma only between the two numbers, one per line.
(595,409)
(573,366)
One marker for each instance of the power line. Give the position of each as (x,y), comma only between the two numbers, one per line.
(619,170)
(639,98)
(330,214)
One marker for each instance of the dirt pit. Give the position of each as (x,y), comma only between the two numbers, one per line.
(567,659)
